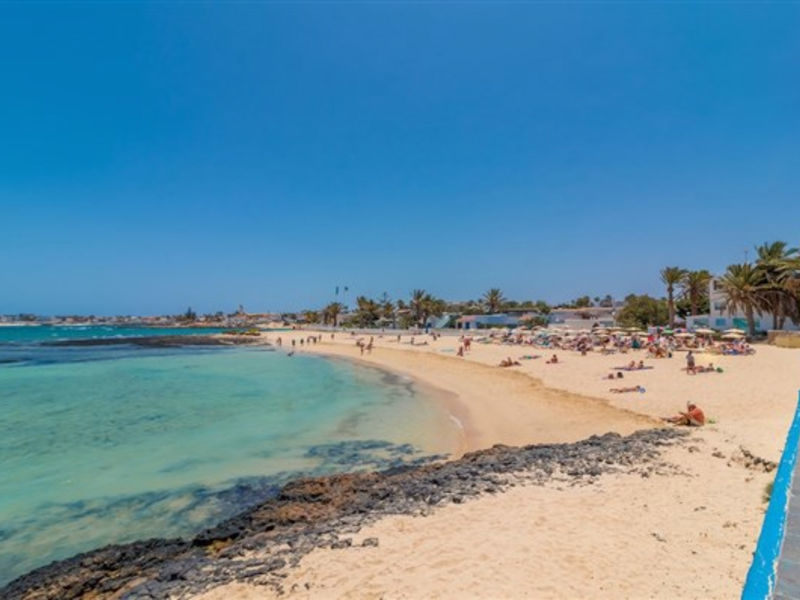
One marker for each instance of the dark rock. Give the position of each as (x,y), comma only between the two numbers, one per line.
(311,512)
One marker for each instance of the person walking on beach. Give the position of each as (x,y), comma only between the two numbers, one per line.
(690,362)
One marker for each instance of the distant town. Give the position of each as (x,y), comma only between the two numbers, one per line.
(755,298)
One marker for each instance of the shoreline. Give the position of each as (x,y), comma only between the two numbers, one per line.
(525,409)
(447,401)
(717,476)
(262,544)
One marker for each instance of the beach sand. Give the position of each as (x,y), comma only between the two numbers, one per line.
(685,535)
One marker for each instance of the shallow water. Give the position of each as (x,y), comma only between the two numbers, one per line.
(128,443)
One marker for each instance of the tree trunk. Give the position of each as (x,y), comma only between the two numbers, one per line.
(751,321)
(671,306)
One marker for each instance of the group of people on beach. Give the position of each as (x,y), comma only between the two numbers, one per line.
(365,346)
(311,339)
(656,346)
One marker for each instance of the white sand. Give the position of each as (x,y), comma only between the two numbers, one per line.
(677,536)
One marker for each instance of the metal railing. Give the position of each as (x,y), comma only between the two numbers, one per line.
(760,581)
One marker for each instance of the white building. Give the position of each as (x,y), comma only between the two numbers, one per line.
(720,319)
(486,321)
(583,318)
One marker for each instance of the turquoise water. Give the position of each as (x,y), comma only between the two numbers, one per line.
(112,444)
(50,333)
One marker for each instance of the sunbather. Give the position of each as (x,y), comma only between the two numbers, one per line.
(624,390)
(693,417)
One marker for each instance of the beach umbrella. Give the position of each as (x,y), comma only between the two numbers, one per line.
(733,336)
(684,335)
(734,330)
(667,332)
(705,331)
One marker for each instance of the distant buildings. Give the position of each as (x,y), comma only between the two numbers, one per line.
(575,318)
(471,322)
(583,318)
(720,318)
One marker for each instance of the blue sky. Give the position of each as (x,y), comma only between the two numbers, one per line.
(156,156)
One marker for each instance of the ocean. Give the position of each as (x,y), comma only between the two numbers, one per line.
(111,444)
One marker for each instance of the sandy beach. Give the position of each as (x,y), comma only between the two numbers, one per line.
(688,534)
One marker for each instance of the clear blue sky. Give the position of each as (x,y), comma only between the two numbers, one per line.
(163,155)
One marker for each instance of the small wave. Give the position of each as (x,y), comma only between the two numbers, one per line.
(457,421)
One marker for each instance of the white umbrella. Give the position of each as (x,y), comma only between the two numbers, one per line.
(705,331)
(734,330)
(733,336)
(684,335)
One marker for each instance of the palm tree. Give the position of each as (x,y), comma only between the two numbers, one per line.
(367,311)
(742,287)
(775,263)
(494,300)
(417,305)
(695,287)
(423,305)
(792,267)
(330,313)
(672,276)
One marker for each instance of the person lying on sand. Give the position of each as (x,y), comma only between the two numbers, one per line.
(625,390)
(507,362)
(619,375)
(553,360)
(709,369)
(694,417)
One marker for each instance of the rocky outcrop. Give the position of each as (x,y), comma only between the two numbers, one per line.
(257,545)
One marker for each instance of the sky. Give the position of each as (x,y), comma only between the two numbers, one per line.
(155,156)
